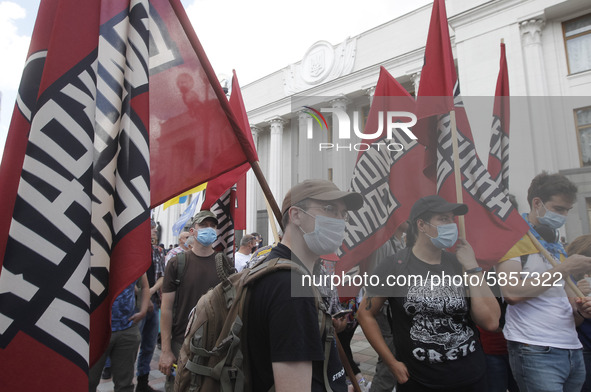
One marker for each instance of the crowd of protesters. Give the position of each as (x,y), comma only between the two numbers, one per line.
(472,337)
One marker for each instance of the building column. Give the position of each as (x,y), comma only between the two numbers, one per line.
(370,93)
(338,163)
(537,88)
(275,164)
(252,188)
(535,71)
(415,78)
(304,157)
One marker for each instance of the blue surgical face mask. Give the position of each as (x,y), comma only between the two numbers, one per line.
(206,236)
(327,236)
(552,219)
(447,235)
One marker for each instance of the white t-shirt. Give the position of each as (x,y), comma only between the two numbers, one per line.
(240,260)
(546,320)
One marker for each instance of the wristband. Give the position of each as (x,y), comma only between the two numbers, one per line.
(474,270)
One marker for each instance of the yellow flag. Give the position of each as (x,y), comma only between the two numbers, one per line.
(523,247)
(175,200)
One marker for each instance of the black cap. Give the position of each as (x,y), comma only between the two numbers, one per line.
(437,204)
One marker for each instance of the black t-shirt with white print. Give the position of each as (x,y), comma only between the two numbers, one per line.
(282,328)
(433,333)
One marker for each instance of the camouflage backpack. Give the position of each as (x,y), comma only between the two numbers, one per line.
(214,353)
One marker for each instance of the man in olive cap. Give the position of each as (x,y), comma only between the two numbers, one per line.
(182,289)
(285,345)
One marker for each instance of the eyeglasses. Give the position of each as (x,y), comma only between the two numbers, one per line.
(333,211)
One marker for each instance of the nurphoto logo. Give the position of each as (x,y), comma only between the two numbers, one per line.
(393,120)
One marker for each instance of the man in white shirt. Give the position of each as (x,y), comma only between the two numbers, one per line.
(242,256)
(544,351)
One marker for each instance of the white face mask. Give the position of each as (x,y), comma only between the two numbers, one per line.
(327,236)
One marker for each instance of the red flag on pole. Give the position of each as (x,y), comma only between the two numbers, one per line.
(194,135)
(88,152)
(218,186)
(491,214)
(240,205)
(498,159)
(386,175)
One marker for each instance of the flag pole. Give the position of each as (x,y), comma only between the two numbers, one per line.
(549,257)
(217,88)
(272,221)
(457,174)
(267,192)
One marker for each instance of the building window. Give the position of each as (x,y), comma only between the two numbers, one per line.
(577,40)
(330,174)
(583,123)
(588,200)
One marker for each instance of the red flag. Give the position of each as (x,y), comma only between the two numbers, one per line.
(498,159)
(74,222)
(490,214)
(74,227)
(240,206)
(386,175)
(195,137)
(221,184)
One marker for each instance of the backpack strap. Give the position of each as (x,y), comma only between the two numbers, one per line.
(181,260)
(324,320)
(223,266)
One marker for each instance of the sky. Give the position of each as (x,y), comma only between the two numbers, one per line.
(254,37)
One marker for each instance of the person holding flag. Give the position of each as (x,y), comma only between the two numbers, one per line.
(433,322)
(544,351)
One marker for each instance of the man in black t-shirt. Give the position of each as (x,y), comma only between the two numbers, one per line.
(285,345)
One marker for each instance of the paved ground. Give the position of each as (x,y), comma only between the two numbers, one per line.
(362,352)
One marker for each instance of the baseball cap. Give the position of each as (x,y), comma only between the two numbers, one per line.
(203,215)
(435,203)
(322,190)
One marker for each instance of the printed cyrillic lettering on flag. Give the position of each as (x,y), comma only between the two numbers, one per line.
(117,105)
(490,212)
(387,175)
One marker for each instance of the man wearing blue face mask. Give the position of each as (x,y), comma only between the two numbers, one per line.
(183,286)
(433,323)
(544,351)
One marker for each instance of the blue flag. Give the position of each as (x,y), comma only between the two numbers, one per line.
(185,216)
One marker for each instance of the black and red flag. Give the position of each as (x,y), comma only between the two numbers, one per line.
(498,158)
(491,215)
(224,209)
(387,174)
(118,110)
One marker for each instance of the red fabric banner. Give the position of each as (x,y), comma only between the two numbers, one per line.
(490,214)
(386,175)
(498,158)
(118,110)
(219,185)
(194,135)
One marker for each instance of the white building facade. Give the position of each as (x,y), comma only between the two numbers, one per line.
(548,48)
(548,45)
